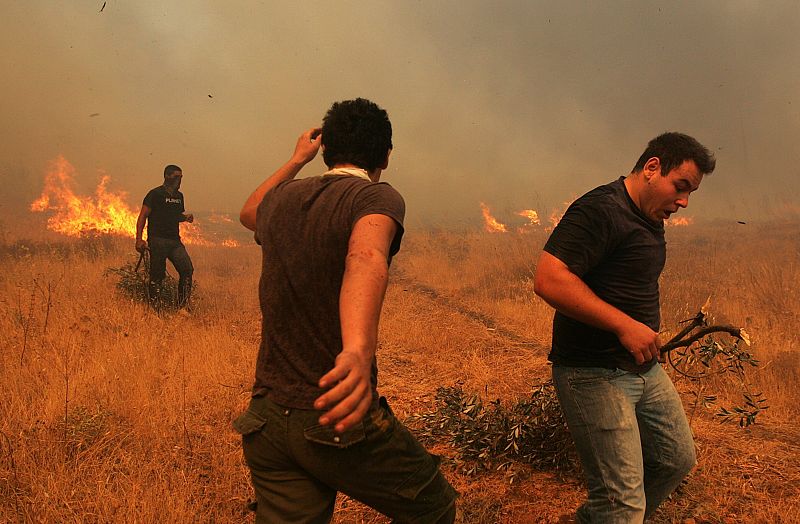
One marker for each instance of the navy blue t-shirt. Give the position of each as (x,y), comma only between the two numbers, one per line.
(166,211)
(619,253)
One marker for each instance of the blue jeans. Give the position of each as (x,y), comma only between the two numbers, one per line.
(632,437)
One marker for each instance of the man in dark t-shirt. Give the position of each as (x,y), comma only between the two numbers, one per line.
(600,270)
(316,424)
(163,210)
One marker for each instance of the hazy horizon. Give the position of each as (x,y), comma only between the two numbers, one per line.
(521,105)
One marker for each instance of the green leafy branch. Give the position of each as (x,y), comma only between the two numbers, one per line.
(494,435)
(696,353)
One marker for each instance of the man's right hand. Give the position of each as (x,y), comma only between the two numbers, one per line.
(641,341)
(141,245)
(350,393)
(307,146)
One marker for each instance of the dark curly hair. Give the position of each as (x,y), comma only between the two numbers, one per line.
(673,149)
(356,132)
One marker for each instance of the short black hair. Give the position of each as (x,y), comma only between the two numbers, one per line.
(673,149)
(356,132)
(171,169)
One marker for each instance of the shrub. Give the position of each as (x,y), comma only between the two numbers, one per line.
(531,431)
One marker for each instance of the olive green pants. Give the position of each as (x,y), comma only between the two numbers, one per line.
(298,466)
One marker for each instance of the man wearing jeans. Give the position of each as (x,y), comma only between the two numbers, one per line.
(316,425)
(163,210)
(600,271)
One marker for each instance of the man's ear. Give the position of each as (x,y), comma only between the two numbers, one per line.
(386,162)
(652,167)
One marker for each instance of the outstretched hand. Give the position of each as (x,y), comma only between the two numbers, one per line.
(350,395)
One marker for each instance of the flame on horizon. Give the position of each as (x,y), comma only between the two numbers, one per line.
(491,224)
(105,212)
(558,213)
(531,215)
(679,221)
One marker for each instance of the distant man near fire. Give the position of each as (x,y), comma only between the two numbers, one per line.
(315,424)
(600,271)
(163,210)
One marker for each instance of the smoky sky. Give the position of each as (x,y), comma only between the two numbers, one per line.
(518,104)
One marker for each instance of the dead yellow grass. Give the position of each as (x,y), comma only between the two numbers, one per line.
(116,414)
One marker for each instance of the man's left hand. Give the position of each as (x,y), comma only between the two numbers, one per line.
(188,217)
(351,394)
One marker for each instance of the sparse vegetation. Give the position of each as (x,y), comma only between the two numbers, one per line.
(149,397)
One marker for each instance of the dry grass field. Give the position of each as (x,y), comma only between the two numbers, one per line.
(113,413)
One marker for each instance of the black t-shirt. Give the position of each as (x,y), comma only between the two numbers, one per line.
(166,211)
(303,227)
(619,253)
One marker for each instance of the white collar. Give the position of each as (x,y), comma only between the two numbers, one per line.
(349,171)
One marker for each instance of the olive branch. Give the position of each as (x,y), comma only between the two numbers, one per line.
(697,354)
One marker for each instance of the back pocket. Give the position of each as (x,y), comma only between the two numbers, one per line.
(248,423)
(325,435)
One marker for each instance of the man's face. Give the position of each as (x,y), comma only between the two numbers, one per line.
(173,180)
(664,195)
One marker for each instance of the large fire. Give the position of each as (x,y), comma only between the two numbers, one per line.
(105,212)
(76,215)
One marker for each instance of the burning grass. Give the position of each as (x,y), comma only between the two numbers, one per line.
(115,413)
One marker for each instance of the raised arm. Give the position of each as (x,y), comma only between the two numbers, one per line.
(360,301)
(304,152)
(570,295)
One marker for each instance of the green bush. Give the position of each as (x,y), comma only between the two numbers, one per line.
(132,284)
(531,431)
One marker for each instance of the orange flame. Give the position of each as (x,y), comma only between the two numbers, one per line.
(678,221)
(531,215)
(558,214)
(490,223)
(105,212)
(76,215)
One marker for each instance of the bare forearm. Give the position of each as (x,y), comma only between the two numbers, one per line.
(304,152)
(363,288)
(140,222)
(570,295)
(287,171)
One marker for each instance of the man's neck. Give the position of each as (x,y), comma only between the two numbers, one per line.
(375,175)
(633,183)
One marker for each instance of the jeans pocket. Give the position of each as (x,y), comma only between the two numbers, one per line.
(326,436)
(579,376)
(248,423)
